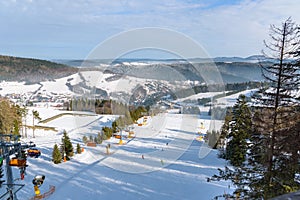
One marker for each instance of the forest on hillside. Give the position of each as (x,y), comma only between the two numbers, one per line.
(32,70)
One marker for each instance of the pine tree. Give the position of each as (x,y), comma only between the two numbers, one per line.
(107,132)
(62,150)
(99,138)
(239,132)
(67,145)
(221,144)
(91,138)
(84,139)
(56,155)
(78,148)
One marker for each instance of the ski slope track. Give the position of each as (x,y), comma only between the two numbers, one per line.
(161,162)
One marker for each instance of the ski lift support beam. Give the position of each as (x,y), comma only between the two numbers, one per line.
(9,148)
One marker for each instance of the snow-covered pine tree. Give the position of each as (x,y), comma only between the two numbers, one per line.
(238,129)
(239,132)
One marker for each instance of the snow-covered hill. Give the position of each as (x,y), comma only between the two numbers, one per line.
(92,83)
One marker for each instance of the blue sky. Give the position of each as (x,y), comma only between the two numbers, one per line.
(70,29)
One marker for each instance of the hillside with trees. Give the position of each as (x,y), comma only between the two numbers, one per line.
(32,70)
(10,117)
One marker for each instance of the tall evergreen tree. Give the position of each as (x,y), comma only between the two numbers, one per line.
(67,145)
(239,132)
(236,131)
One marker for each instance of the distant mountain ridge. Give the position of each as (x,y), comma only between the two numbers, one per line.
(32,70)
(135,81)
(88,63)
(232,69)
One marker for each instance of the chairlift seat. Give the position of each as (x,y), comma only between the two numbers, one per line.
(17,162)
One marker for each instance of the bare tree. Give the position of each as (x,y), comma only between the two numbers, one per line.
(272,152)
(35,115)
(283,78)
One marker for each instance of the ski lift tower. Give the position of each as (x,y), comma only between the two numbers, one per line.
(10,145)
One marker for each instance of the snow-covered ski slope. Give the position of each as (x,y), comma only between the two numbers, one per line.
(163,161)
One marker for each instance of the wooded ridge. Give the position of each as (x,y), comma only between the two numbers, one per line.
(32,70)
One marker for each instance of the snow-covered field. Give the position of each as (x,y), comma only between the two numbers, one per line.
(163,161)
(198,96)
(231,99)
(16,88)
